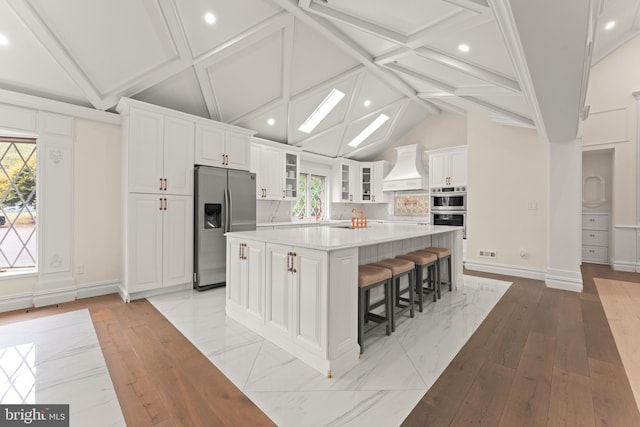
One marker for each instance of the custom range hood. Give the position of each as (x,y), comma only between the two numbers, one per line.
(407,173)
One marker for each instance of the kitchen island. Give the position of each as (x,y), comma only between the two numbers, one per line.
(298,287)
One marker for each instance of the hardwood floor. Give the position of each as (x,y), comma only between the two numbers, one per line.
(541,357)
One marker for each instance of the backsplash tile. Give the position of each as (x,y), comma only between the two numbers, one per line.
(411,205)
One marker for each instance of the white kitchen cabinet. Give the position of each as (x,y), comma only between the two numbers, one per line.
(296,289)
(276,172)
(245,267)
(160,153)
(346,181)
(159,241)
(371,179)
(595,237)
(448,167)
(224,146)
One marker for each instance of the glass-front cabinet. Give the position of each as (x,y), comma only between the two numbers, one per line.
(365,179)
(291,169)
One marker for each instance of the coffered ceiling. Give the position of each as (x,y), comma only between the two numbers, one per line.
(267,64)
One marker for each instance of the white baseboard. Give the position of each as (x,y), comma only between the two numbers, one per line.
(45,298)
(625,266)
(508,270)
(128,297)
(97,289)
(16,302)
(567,280)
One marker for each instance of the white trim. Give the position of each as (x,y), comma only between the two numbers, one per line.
(564,279)
(625,266)
(16,302)
(42,104)
(128,297)
(507,270)
(56,296)
(98,288)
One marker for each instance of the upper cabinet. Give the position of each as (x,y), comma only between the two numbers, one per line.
(448,167)
(276,172)
(223,146)
(371,179)
(346,181)
(160,153)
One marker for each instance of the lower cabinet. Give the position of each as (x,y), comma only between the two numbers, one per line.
(296,294)
(245,270)
(595,237)
(159,242)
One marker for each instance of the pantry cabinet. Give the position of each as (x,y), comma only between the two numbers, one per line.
(160,153)
(448,167)
(159,249)
(223,146)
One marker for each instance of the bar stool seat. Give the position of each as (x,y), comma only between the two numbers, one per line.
(422,261)
(399,268)
(443,254)
(371,277)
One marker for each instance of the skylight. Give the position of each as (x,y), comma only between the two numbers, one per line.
(373,126)
(3,40)
(321,112)
(610,25)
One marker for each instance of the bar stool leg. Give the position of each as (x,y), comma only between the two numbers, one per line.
(361,315)
(389,305)
(411,278)
(450,277)
(418,286)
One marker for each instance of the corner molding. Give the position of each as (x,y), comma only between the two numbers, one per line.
(564,279)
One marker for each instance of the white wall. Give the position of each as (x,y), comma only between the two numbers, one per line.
(597,163)
(97,203)
(508,169)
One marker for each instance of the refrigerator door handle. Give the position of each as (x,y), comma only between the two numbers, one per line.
(226,211)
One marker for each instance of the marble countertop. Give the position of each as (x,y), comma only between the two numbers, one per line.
(330,222)
(333,238)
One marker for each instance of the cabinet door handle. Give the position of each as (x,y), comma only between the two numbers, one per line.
(244,254)
(160,184)
(161,202)
(293,268)
(223,160)
(289,261)
(592,219)
(351,197)
(240,250)
(165,203)
(592,235)
(283,194)
(227,156)
(165,184)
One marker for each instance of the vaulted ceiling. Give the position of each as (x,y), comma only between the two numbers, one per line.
(278,59)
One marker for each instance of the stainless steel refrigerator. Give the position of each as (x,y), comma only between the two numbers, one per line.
(225,200)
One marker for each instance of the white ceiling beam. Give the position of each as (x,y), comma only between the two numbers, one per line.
(445,106)
(499,110)
(468,68)
(447,23)
(429,80)
(468,91)
(340,40)
(551,61)
(393,55)
(361,24)
(478,6)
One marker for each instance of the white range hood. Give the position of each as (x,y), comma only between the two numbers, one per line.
(407,173)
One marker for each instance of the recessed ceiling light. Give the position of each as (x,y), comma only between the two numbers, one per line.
(321,112)
(610,25)
(210,18)
(367,102)
(271,122)
(373,126)
(463,47)
(3,40)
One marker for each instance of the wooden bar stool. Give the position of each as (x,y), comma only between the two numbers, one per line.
(371,277)
(423,261)
(443,254)
(399,268)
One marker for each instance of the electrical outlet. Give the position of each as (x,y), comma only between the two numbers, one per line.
(532,206)
(488,254)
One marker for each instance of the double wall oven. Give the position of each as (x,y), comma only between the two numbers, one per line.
(449,207)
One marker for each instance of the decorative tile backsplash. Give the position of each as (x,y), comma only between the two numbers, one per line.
(411,205)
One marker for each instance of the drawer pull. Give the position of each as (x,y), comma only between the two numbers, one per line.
(592,251)
(592,219)
(592,235)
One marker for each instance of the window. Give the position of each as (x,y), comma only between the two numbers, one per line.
(17,203)
(311,196)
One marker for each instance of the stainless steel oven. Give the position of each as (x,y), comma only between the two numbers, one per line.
(449,199)
(452,218)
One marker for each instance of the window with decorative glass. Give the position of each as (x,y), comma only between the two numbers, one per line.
(18,249)
(311,197)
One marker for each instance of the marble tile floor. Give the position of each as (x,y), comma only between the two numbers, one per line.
(58,360)
(393,375)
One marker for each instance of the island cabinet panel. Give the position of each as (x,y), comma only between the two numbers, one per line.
(343,305)
(245,278)
(309,285)
(278,289)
